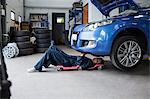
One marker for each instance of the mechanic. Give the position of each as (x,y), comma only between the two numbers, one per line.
(56,57)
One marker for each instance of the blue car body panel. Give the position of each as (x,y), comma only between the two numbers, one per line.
(79,28)
(104,35)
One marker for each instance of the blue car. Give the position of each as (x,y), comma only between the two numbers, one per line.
(125,37)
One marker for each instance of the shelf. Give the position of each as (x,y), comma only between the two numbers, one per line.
(76,13)
(39,20)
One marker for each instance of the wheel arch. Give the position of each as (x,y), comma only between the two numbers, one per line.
(133,32)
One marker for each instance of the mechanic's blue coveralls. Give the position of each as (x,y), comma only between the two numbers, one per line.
(56,57)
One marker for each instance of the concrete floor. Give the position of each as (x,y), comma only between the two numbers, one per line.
(109,83)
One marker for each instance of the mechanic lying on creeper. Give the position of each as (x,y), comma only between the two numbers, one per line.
(57,57)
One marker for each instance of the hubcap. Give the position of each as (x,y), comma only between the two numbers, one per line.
(129,53)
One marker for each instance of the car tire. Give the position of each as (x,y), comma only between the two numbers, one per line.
(22,39)
(41,41)
(45,45)
(27,51)
(21,33)
(41,50)
(24,45)
(42,31)
(43,36)
(126,53)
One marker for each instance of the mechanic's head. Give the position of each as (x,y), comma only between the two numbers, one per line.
(98,61)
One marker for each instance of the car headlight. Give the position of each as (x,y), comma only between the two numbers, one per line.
(93,26)
(88,43)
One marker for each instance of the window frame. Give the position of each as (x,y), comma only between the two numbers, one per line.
(13,19)
(19,18)
(60,20)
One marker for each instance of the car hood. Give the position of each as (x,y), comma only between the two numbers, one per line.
(105,6)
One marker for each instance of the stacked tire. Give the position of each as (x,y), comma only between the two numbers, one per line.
(22,38)
(43,39)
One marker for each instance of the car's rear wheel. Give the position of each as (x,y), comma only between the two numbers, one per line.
(126,52)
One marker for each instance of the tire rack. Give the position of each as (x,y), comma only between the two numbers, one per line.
(43,39)
(22,38)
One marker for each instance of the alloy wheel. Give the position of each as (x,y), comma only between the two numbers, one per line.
(129,53)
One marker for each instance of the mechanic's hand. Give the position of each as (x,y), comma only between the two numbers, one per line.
(83,54)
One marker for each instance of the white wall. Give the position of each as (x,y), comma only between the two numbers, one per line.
(49,6)
(50,3)
(15,6)
(49,11)
(94,13)
(84,2)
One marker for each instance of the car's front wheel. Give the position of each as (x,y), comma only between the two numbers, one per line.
(126,52)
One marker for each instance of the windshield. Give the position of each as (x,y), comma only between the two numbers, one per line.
(143,3)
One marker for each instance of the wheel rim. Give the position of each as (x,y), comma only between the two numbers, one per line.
(129,53)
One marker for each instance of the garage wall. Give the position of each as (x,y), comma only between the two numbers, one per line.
(49,6)
(49,11)
(85,14)
(15,6)
(96,15)
(84,2)
(50,3)
(93,13)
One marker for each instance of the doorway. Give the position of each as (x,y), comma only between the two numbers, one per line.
(58,27)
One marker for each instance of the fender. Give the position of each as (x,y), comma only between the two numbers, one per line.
(115,34)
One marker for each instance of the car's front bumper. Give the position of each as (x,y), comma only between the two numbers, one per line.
(94,42)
